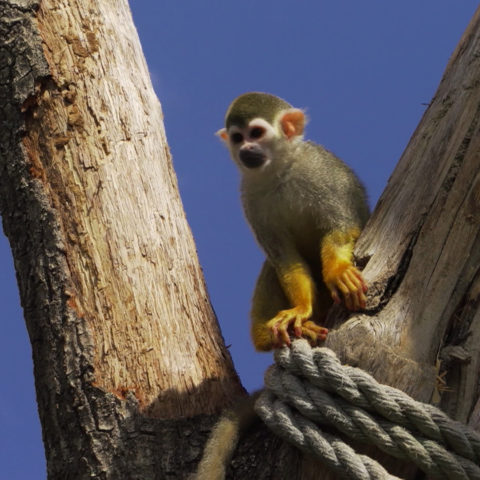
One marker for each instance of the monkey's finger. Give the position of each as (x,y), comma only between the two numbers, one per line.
(334,294)
(284,336)
(297,327)
(276,335)
(356,301)
(354,282)
(278,343)
(276,321)
(360,300)
(346,292)
(279,330)
(350,301)
(313,338)
(274,331)
(358,293)
(354,279)
(362,281)
(350,283)
(311,327)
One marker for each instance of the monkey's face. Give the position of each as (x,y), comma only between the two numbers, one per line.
(250,146)
(252,143)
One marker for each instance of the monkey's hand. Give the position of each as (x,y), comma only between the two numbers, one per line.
(346,281)
(298,320)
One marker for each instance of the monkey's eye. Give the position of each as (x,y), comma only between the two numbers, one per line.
(257,132)
(236,137)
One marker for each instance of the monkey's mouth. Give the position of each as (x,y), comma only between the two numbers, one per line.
(252,158)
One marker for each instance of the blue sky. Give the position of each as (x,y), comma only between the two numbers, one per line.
(362,70)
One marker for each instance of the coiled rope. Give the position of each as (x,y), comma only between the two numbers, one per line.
(307,388)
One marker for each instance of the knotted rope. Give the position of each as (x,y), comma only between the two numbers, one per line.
(309,388)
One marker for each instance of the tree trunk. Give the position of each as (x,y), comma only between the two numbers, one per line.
(123,334)
(129,361)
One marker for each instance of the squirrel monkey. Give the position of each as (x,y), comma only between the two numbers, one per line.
(306,209)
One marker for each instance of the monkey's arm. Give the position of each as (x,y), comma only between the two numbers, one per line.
(339,273)
(283,302)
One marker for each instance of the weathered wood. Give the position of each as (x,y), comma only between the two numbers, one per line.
(421,252)
(124,338)
(421,248)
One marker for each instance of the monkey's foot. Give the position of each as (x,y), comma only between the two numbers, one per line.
(348,282)
(314,333)
(296,319)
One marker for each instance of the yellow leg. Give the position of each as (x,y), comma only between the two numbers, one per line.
(283,301)
(268,299)
(339,274)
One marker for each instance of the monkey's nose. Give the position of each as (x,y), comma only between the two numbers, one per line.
(252,156)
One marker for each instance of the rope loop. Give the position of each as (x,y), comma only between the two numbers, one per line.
(308,388)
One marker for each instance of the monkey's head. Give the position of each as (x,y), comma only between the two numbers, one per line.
(255,123)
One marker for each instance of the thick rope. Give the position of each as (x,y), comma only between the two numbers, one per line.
(308,388)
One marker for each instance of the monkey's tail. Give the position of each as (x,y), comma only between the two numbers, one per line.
(224,438)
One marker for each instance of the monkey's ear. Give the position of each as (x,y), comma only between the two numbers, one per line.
(292,122)
(222,133)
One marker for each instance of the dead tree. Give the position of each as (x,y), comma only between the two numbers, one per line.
(130,366)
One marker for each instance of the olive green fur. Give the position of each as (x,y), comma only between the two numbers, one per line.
(254,105)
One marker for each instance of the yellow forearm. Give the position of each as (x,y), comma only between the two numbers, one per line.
(298,286)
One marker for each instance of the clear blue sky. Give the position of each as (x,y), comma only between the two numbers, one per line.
(363,71)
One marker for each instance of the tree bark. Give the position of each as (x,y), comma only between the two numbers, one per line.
(130,365)
(124,337)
